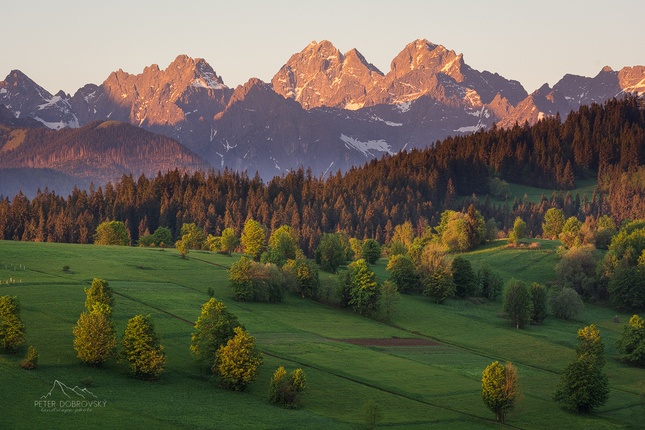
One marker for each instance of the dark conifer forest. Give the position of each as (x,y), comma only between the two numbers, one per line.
(606,142)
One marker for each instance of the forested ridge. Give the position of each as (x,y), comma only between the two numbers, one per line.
(604,141)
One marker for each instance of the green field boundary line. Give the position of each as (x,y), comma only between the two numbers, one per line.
(391,392)
(155,308)
(208,262)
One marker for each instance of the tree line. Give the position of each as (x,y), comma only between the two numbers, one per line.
(606,141)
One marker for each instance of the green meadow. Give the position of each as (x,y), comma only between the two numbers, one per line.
(433,386)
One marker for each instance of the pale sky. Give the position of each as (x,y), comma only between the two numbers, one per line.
(65,44)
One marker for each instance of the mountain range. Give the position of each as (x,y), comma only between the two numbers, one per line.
(323,109)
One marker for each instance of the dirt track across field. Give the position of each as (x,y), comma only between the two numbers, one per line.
(415,341)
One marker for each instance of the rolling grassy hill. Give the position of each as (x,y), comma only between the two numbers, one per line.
(418,387)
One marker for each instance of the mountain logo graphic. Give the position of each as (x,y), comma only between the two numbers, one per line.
(77,391)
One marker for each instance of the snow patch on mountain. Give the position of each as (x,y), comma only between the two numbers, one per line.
(470,128)
(365,147)
(390,123)
(404,106)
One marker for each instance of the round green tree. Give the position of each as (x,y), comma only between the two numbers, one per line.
(238,363)
(95,336)
(111,233)
(330,253)
(141,348)
(553,223)
(402,273)
(631,344)
(517,303)
(99,293)
(12,329)
(215,327)
(464,277)
(253,239)
(500,389)
(364,291)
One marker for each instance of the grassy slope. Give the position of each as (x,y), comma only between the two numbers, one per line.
(535,194)
(428,387)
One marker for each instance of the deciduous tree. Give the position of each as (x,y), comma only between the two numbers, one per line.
(99,293)
(330,253)
(365,291)
(464,277)
(215,327)
(500,389)
(565,303)
(95,336)
(517,303)
(631,344)
(371,251)
(253,239)
(583,385)
(12,329)
(403,273)
(111,233)
(553,223)
(238,363)
(141,348)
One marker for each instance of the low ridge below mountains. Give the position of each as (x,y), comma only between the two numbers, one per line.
(323,109)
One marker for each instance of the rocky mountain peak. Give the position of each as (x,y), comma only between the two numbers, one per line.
(422,55)
(320,75)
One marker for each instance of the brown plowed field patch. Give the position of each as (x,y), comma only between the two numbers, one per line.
(415,341)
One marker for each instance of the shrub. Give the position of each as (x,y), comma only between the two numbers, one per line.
(285,391)
(30,362)
(372,414)
(256,282)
